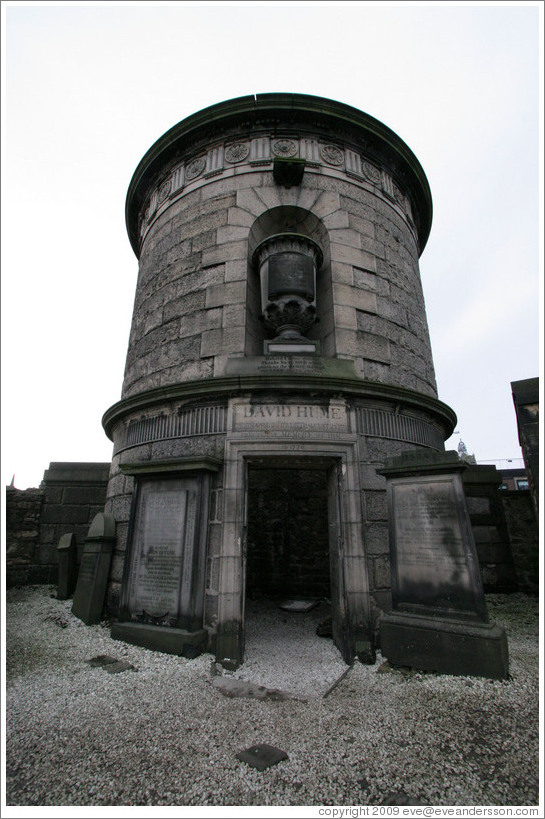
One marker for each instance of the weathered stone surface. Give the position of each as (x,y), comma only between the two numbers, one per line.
(365,652)
(67,555)
(232,687)
(197,336)
(523,538)
(94,570)
(229,340)
(23,512)
(262,756)
(381,572)
(439,620)
(100,661)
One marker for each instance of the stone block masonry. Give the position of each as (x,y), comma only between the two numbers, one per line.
(69,497)
(23,510)
(266,303)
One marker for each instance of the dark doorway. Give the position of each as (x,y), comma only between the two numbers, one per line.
(287,534)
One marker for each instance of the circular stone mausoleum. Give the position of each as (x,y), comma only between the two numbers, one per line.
(279,353)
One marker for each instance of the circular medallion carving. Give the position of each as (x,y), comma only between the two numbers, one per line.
(332,155)
(163,191)
(284,147)
(195,167)
(237,152)
(370,172)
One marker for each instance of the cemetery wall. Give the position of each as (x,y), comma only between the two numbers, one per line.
(23,510)
(70,495)
(520,516)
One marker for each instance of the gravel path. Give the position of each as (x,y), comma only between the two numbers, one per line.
(163,735)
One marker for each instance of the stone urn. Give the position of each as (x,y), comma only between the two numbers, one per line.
(287,264)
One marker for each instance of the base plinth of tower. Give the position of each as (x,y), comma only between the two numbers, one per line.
(445,646)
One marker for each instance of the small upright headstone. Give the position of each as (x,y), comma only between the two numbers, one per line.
(94,569)
(439,620)
(66,551)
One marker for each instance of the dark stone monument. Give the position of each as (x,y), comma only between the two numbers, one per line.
(68,570)
(439,620)
(94,569)
(162,600)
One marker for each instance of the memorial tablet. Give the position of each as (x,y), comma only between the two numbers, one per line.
(164,535)
(438,620)
(433,556)
(162,593)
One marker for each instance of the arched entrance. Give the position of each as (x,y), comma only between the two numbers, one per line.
(249,467)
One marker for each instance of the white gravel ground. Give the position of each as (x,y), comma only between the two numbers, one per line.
(164,736)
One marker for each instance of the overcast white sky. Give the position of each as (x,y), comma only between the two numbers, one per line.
(88,88)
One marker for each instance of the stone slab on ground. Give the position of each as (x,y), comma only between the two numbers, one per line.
(110,664)
(262,756)
(231,687)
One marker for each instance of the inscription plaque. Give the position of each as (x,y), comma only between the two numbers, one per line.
(164,534)
(432,561)
(88,567)
(291,273)
(292,418)
(438,620)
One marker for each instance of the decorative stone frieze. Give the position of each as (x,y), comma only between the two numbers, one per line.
(222,158)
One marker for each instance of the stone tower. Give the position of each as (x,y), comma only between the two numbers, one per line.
(278,353)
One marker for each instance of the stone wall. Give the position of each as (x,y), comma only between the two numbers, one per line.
(486,512)
(521,520)
(69,497)
(23,510)
(195,295)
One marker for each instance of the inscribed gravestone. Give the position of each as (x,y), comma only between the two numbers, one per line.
(434,561)
(160,579)
(163,586)
(438,620)
(94,569)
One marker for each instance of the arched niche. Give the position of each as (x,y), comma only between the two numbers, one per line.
(281,220)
